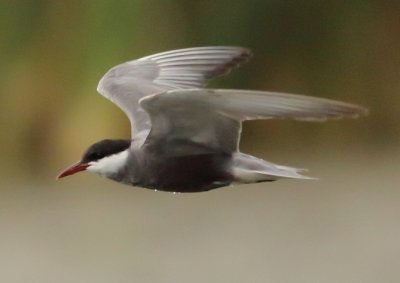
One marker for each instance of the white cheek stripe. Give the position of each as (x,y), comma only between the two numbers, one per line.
(110,164)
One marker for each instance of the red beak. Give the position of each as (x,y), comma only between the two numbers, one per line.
(77,167)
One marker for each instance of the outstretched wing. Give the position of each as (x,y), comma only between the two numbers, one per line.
(126,83)
(212,117)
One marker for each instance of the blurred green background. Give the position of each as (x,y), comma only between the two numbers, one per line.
(342,228)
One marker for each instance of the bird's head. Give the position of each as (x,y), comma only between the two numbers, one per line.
(105,158)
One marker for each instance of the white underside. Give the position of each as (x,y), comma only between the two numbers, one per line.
(248,176)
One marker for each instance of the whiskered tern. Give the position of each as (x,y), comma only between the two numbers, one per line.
(185,137)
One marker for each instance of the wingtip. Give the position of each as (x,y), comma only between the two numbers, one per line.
(364,111)
(357,111)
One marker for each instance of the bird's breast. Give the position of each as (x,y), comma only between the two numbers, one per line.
(190,173)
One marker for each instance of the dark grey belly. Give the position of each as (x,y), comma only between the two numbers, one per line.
(194,173)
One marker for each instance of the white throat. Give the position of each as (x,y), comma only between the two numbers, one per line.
(109,165)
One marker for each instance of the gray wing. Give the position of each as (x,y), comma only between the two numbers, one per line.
(126,83)
(213,117)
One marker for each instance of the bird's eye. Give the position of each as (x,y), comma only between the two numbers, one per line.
(94,156)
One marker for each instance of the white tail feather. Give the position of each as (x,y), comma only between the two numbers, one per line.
(249,169)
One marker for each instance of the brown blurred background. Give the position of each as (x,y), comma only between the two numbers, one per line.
(341,228)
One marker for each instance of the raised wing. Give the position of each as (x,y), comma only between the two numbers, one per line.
(126,83)
(213,117)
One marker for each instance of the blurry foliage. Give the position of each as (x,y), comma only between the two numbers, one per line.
(52,54)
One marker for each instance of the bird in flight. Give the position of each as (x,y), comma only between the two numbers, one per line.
(185,137)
